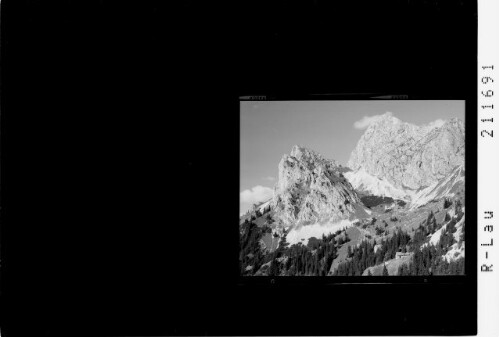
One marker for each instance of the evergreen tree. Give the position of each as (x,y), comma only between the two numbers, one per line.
(431,222)
(283,244)
(369,273)
(273,268)
(385,271)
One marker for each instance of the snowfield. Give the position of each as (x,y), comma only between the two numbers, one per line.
(435,238)
(303,233)
(363,181)
(439,189)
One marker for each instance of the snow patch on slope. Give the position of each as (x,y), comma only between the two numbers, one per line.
(439,189)
(364,182)
(424,196)
(303,233)
(459,229)
(435,238)
(451,212)
(455,252)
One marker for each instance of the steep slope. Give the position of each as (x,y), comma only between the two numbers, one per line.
(313,190)
(408,156)
(455,251)
(368,184)
(450,186)
(392,266)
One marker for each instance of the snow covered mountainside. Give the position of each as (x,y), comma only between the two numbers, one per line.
(450,186)
(365,183)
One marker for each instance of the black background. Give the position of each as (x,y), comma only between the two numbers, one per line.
(120,139)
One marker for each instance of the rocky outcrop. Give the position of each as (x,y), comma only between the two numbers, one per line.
(312,189)
(409,156)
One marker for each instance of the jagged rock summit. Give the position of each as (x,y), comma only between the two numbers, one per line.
(408,156)
(312,189)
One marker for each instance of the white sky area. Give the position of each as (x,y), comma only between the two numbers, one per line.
(255,195)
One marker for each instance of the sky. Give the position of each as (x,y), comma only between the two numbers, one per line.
(269,129)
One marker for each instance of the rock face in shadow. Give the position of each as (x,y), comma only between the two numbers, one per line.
(312,189)
(409,156)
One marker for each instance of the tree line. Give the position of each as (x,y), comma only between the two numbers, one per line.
(427,259)
(364,256)
(313,259)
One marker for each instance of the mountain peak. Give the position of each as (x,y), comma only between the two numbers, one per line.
(388,116)
(409,155)
(306,155)
(455,122)
(299,151)
(310,189)
(385,119)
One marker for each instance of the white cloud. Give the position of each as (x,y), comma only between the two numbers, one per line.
(365,121)
(269,178)
(256,194)
(436,124)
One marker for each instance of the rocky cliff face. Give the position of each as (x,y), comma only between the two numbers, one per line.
(409,156)
(312,189)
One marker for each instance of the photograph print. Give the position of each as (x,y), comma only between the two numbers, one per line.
(352,188)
